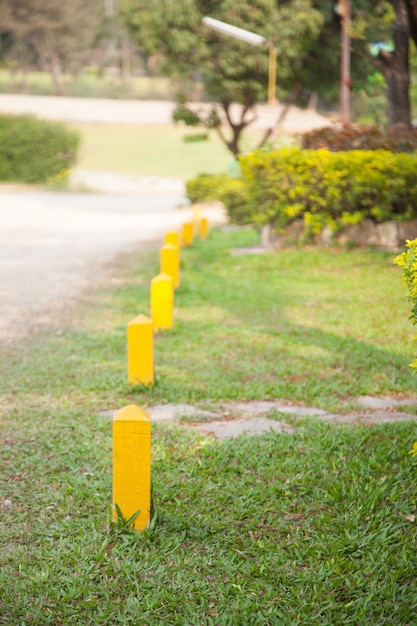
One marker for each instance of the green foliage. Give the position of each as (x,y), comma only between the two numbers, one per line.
(51,34)
(371,21)
(235,196)
(205,187)
(316,526)
(351,137)
(32,150)
(330,189)
(232,192)
(408,262)
(232,70)
(184,114)
(192,117)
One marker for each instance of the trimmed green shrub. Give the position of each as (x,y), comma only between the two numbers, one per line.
(33,150)
(349,137)
(204,187)
(330,189)
(235,196)
(233,192)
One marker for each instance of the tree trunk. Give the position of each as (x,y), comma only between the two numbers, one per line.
(51,62)
(411,6)
(237,128)
(395,66)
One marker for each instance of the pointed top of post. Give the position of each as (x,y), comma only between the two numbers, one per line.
(162,277)
(131,413)
(141,319)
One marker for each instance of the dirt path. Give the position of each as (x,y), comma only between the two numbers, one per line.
(54,245)
(102,110)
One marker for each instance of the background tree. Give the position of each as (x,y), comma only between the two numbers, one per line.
(57,35)
(233,71)
(394,64)
(411,8)
(375,25)
(369,23)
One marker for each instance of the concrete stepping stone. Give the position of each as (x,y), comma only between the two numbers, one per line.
(174,412)
(230,429)
(371,402)
(374,417)
(233,419)
(262,407)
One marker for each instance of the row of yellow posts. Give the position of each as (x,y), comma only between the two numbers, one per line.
(132,425)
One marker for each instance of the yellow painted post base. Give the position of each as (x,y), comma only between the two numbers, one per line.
(169,256)
(187,234)
(172,238)
(204,228)
(162,301)
(140,351)
(196,220)
(132,464)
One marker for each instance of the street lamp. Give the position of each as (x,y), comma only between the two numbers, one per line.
(254,40)
(343,9)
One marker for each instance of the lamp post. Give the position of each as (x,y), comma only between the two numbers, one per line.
(343,9)
(253,39)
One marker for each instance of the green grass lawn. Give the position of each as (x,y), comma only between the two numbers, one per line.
(314,527)
(154,150)
(87,84)
(150,150)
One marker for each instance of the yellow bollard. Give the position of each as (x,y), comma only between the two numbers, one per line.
(187,234)
(196,221)
(172,238)
(132,464)
(162,301)
(140,351)
(204,228)
(169,256)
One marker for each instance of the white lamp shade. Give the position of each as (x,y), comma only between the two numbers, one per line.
(234,31)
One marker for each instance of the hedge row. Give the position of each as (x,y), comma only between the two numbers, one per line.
(32,150)
(322,188)
(352,137)
(219,187)
(330,188)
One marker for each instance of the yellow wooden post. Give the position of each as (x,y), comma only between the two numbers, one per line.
(140,351)
(172,238)
(162,301)
(204,228)
(132,464)
(196,220)
(187,234)
(169,257)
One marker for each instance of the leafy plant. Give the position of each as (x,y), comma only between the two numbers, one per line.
(205,187)
(324,188)
(234,194)
(123,524)
(33,150)
(407,260)
(354,137)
